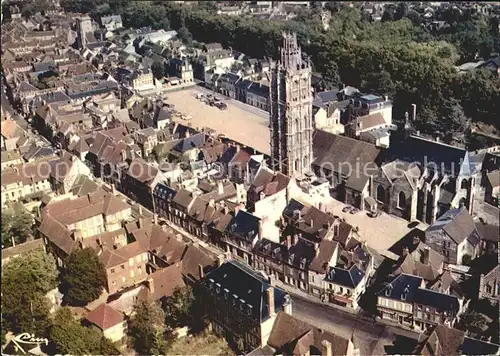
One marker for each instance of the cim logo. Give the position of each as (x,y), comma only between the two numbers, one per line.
(26,342)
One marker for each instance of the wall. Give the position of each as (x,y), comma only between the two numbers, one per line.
(89,227)
(127,274)
(269,210)
(265,330)
(116,332)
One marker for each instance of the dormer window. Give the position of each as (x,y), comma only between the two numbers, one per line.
(388,292)
(217,288)
(226,293)
(249,309)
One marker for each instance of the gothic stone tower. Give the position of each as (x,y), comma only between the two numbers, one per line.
(290,111)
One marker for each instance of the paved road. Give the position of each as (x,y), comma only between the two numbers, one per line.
(370,337)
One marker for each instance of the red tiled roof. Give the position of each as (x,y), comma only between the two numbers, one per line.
(105,316)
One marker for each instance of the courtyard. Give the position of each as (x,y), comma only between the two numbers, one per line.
(239,122)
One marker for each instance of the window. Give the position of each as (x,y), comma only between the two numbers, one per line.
(381,194)
(124,279)
(112,270)
(401,200)
(123,266)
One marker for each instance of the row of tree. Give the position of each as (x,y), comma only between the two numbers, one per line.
(395,58)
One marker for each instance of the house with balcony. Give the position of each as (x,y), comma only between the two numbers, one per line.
(406,301)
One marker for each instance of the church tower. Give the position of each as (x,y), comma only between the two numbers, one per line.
(290,110)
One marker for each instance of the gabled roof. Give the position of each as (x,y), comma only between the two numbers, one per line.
(164,281)
(291,336)
(105,316)
(244,225)
(423,151)
(334,151)
(458,225)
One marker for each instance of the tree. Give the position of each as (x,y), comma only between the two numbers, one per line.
(25,282)
(472,322)
(387,16)
(147,328)
(69,337)
(331,75)
(158,69)
(178,307)
(401,11)
(185,35)
(17,228)
(84,277)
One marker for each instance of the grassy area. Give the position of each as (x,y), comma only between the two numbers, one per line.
(203,344)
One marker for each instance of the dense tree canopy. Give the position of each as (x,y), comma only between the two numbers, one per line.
(25,281)
(178,307)
(84,277)
(147,328)
(398,56)
(16,228)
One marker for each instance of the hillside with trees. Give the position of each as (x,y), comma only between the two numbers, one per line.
(395,57)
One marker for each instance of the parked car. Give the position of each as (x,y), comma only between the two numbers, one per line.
(354,210)
(373,214)
(200,96)
(347,209)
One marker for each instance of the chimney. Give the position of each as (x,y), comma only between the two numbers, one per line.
(155,217)
(320,206)
(201,274)
(437,138)
(416,240)
(151,285)
(237,148)
(406,251)
(287,306)
(260,232)
(220,188)
(312,223)
(187,134)
(295,239)
(220,260)
(425,255)
(413,112)
(140,210)
(287,194)
(270,301)
(113,189)
(288,242)
(316,249)
(326,348)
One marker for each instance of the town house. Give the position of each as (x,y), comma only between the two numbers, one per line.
(406,301)
(241,305)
